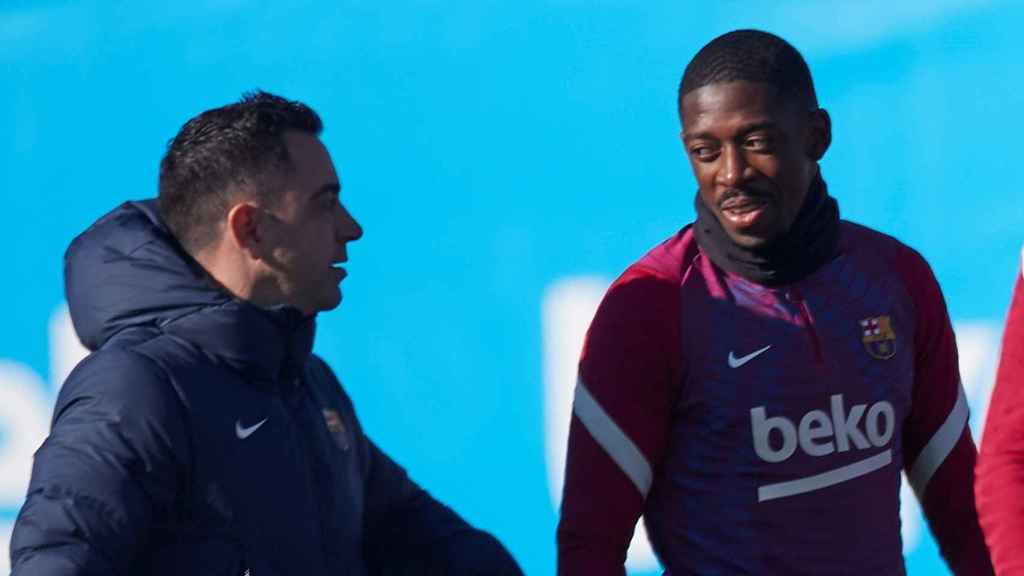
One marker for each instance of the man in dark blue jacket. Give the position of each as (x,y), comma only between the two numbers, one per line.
(201,436)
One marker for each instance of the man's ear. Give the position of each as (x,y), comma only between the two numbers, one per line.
(245,228)
(819,134)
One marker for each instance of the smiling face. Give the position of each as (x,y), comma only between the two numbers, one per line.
(754,154)
(308,230)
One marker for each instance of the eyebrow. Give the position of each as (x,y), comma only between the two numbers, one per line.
(746,129)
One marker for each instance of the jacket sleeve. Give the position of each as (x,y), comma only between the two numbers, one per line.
(939,453)
(408,532)
(628,377)
(109,467)
(1000,484)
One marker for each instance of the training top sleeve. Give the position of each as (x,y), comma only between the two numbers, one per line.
(629,374)
(1000,485)
(939,453)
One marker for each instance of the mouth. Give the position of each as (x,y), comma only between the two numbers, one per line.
(743,210)
(339,270)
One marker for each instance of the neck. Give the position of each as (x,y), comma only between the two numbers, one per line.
(232,275)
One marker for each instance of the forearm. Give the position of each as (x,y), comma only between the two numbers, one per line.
(410,532)
(948,503)
(937,444)
(600,508)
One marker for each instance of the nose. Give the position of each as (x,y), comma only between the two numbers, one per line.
(349,229)
(733,169)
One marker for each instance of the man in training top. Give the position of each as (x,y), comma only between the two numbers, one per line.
(755,385)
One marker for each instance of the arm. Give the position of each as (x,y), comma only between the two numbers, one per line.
(629,372)
(408,532)
(1000,485)
(939,453)
(107,469)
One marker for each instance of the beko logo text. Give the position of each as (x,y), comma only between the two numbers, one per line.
(821,433)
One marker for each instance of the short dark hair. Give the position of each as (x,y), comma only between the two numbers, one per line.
(222,153)
(753,56)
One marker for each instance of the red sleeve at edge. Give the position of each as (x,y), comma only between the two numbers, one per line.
(1000,485)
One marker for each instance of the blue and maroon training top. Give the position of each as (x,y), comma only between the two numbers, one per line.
(763,430)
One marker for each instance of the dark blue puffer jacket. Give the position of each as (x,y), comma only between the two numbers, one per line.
(202,437)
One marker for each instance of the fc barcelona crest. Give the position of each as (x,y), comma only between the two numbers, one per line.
(879,337)
(336,427)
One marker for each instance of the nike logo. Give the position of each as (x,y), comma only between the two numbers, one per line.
(244,433)
(735,362)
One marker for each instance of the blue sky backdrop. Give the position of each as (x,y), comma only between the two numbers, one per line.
(491,149)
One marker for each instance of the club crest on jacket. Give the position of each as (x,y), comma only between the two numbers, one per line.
(336,427)
(878,336)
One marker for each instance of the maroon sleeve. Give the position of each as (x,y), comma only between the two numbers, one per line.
(1000,486)
(629,374)
(939,453)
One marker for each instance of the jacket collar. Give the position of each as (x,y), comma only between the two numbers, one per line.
(264,345)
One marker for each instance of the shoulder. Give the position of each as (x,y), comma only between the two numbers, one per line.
(121,383)
(647,292)
(669,260)
(321,374)
(658,273)
(861,240)
(327,384)
(886,253)
(120,370)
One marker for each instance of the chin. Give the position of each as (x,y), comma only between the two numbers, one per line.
(329,302)
(749,240)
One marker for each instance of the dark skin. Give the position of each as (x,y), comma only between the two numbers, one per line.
(754,152)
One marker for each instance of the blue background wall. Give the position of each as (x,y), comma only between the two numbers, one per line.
(491,150)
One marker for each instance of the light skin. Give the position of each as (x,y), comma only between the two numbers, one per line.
(287,252)
(754,153)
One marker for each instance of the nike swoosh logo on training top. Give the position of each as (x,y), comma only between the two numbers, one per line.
(735,362)
(244,433)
